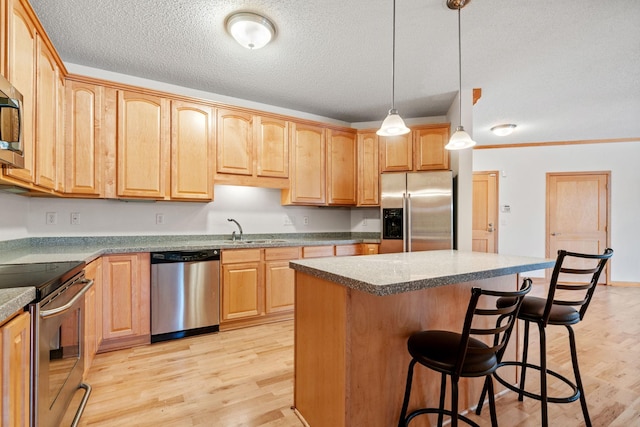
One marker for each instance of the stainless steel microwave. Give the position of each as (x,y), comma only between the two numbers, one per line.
(11,143)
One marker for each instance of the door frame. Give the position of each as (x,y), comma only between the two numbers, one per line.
(607,269)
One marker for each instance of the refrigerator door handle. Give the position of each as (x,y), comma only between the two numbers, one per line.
(408,213)
(404,222)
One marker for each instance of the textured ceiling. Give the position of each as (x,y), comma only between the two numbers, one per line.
(559,70)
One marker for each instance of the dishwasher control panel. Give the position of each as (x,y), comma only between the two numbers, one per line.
(185,256)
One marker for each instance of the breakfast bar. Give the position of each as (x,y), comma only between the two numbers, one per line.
(353,316)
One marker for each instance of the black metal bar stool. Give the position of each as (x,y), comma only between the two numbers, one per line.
(461,355)
(556,309)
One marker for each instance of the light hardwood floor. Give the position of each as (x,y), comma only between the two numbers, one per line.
(245,377)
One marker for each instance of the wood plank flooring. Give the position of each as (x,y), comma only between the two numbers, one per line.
(245,377)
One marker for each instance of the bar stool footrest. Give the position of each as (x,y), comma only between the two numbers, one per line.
(421,411)
(572,398)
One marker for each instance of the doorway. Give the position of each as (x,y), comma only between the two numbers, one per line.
(577,214)
(485,212)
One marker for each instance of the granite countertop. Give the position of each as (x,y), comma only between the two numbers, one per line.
(389,274)
(56,249)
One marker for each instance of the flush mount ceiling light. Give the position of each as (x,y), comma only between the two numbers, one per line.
(251,30)
(503,130)
(460,139)
(393,124)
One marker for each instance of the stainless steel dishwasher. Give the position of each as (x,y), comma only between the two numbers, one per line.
(185,293)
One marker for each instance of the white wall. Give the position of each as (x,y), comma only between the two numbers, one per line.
(522,232)
(13,216)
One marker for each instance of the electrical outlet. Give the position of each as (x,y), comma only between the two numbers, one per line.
(75,218)
(305,220)
(51,218)
(159,218)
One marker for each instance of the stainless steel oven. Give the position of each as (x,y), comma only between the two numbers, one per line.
(57,344)
(57,352)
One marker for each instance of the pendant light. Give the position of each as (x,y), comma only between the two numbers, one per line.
(393,124)
(460,139)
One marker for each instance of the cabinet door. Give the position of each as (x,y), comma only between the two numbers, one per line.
(126,301)
(93,313)
(192,151)
(279,279)
(142,145)
(47,123)
(272,147)
(234,142)
(21,72)
(429,148)
(368,170)
(241,290)
(307,179)
(15,369)
(83,141)
(396,153)
(341,168)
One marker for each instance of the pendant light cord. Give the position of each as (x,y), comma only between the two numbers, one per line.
(459,68)
(393,61)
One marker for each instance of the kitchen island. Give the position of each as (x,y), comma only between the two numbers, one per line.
(353,317)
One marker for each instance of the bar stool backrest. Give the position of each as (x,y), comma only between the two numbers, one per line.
(501,321)
(572,265)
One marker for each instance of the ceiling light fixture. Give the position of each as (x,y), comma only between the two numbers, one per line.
(393,124)
(251,30)
(503,130)
(460,139)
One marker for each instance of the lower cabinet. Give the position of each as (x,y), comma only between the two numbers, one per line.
(92,313)
(257,286)
(126,302)
(15,370)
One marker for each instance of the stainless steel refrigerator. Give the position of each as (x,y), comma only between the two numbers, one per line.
(416,211)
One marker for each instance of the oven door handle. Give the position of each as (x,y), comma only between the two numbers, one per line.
(62,309)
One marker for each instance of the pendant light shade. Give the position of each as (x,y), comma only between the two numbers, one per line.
(393,124)
(460,139)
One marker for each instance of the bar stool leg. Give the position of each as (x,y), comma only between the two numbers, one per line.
(454,403)
(407,393)
(525,353)
(543,375)
(443,392)
(492,401)
(576,371)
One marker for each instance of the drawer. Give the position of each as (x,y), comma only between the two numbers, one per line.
(317,251)
(241,255)
(345,250)
(273,254)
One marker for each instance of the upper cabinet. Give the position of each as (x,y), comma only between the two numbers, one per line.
(368,169)
(142,145)
(429,152)
(251,149)
(421,149)
(83,139)
(192,151)
(341,167)
(307,174)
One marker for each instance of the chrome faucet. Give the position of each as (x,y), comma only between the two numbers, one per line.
(233,235)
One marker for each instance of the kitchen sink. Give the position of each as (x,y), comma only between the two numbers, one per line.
(266,241)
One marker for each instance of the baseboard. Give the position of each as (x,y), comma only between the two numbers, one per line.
(625,284)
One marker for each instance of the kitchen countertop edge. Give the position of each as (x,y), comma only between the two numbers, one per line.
(14,299)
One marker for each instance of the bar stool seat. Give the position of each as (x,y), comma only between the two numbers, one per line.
(462,355)
(561,307)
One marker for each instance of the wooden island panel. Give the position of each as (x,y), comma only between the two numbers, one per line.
(351,354)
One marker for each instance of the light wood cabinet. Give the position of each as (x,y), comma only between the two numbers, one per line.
(307,174)
(252,150)
(83,139)
(48,122)
(21,45)
(318,251)
(429,151)
(257,286)
(126,302)
(93,313)
(368,169)
(143,146)
(15,369)
(370,248)
(421,149)
(341,167)
(192,151)
(242,290)
(350,250)
(279,279)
